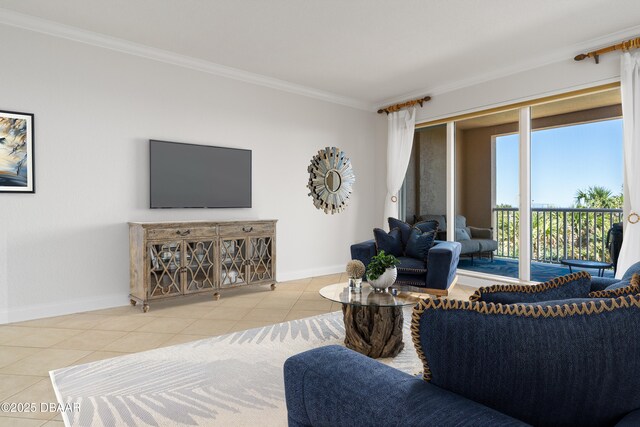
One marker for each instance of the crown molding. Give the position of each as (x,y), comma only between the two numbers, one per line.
(32,23)
(559,55)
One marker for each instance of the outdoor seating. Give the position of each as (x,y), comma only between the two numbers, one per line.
(474,241)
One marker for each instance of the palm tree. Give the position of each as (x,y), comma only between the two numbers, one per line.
(597,197)
(593,226)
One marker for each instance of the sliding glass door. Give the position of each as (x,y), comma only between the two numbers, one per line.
(486,193)
(576,183)
(524,190)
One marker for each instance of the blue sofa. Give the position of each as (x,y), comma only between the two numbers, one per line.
(434,275)
(601,283)
(567,362)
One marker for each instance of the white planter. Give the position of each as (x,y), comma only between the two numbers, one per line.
(385,280)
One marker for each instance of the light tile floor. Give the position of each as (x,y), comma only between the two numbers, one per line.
(29,350)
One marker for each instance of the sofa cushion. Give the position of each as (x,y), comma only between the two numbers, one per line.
(564,364)
(602,283)
(633,269)
(390,243)
(487,245)
(575,285)
(621,288)
(469,246)
(405,229)
(461,221)
(411,266)
(462,234)
(419,243)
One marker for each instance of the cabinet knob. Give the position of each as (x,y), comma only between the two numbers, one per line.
(247,229)
(183,233)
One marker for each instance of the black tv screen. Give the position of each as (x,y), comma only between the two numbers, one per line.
(199,176)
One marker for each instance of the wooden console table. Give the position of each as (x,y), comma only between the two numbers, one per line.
(172,259)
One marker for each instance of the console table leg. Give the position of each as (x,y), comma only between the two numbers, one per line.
(145,308)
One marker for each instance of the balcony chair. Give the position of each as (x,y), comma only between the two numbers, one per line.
(474,241)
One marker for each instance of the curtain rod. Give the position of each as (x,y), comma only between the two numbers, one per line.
(625,45)
(396,107)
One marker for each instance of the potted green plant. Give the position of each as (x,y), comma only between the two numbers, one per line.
(381,271)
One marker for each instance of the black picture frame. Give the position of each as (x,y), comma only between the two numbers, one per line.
(17,160)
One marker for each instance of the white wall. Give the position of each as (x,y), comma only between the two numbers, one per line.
(65,248)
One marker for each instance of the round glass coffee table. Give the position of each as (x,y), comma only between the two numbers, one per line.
(372,320)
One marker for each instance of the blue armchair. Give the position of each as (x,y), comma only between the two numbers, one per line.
(538,362)
(434,274)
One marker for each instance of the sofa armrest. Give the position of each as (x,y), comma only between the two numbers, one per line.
(442,263)
(334,386)
(481,233)
(364,251)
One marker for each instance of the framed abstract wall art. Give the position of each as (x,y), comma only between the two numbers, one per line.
(16,153)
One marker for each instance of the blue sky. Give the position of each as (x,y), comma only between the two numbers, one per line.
(563,160)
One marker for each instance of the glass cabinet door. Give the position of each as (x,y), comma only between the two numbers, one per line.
(164,269)
(199,267)
(233,262)
(260,259)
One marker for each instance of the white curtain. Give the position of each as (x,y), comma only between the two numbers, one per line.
(399,142)
(630,87)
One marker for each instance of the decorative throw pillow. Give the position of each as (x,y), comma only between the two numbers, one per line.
(620,288)
(575,285)
(540,363)
(390,243)
(419,243)
(426,226)
(462,234)
(405,229)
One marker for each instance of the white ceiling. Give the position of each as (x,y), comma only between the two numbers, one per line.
(370,51)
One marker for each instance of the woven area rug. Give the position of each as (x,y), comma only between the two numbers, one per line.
(234,379)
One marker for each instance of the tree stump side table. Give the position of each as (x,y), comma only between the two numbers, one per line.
(372,320)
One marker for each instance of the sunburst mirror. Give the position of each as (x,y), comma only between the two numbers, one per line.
(331,180)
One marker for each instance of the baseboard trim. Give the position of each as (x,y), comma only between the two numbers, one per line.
(312,272)
(39,311)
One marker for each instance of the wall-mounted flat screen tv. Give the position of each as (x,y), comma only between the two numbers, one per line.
(199,176)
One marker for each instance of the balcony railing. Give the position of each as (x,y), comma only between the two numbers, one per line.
(557,233)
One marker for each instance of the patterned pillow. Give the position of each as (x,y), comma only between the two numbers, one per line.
(390,243)
(567,363)
(419,243)
(576,285)
(620,288)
